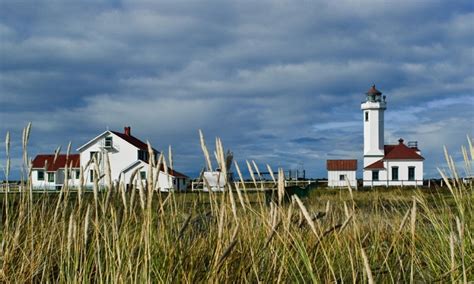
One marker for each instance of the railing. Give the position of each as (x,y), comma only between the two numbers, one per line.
(251,186)
(386,183)
(110,145)
(413,144)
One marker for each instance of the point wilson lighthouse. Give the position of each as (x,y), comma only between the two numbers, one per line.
(386,165)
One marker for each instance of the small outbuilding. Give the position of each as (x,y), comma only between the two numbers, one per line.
(340,172)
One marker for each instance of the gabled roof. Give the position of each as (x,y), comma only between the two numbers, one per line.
(376,166)
(341,165)
(162,169)
(401,152)
(132,165)
(127,137)
(133,140)
(41,160)
(93,140)
(174,173)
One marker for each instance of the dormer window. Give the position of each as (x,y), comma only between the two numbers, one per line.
(143,155)
(108,142)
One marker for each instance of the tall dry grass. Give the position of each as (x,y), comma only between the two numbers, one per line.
(383,235)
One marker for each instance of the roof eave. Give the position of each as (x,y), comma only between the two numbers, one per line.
(92,140)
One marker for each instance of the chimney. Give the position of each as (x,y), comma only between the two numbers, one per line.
(127,130)
(400,141)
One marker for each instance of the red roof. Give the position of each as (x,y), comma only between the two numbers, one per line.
(177,174)
(173,172)
(374,91)
(133,140)
(376,166)
(401,152)
(396,152)
(61,161)
(341,165)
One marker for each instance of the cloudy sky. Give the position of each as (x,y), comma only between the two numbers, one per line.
(280,82)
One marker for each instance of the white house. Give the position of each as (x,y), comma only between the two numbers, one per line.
(342,172)
(387,165)
(49,171)
(127,155)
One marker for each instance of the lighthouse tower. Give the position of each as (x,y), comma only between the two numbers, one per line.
(373,115)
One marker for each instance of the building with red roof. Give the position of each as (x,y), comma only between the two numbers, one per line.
(49,171)
(342,173)
(126,157)
(387,165)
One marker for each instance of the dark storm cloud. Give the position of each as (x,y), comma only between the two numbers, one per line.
(280,81)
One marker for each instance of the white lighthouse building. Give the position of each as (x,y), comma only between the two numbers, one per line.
(387,165)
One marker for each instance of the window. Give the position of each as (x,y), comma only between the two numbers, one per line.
(40,175)
(50,177)
(143,175)
(411,173)
(341,177)
(108,142)
(91,175)
(375,175)
(142,155)
(78,174)
(93,154)
(394,173)
(366,116)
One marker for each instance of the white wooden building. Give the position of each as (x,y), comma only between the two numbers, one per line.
(126,153)
(49,171)
(341,173)
(387,165)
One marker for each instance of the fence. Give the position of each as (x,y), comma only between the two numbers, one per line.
(251,186)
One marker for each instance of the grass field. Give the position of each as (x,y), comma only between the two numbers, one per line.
(140,236)
(383,235)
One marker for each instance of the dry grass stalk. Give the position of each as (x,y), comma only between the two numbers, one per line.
(281,186)
(242,182)
(370,278)
(460,229)
(453,261)
(306,215)
(158,166)
(239,173)
(412,230)
(25,138)
(170,157)
(257,170)
(205,151)
(239,195)
(108,174)
(271,173)
(232,202)
(56,154)
(70,234)
(229,248)
(184,226)
(251,174)
(121,187)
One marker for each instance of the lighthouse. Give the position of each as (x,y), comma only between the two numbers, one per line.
(373,109)
(387,164)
